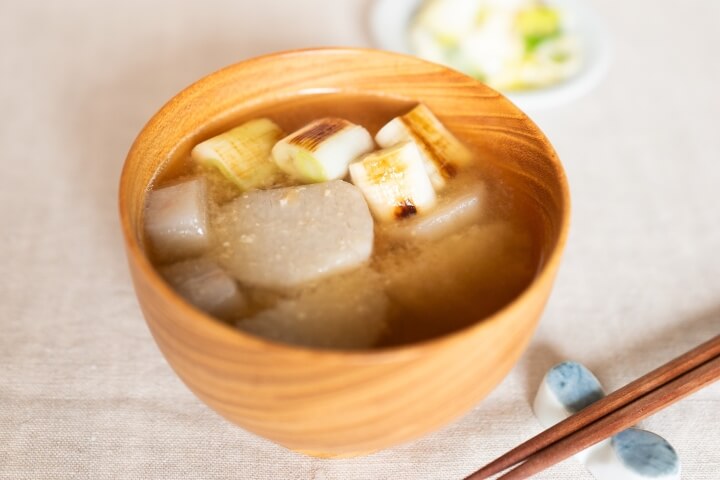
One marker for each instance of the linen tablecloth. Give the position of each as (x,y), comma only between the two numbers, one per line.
(85,393)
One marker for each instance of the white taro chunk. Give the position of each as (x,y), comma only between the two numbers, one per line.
(176,220)
(452,214)
(346,311)
(632,454)
(205,285)
(288,236)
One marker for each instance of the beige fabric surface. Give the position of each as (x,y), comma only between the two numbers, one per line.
(84,392)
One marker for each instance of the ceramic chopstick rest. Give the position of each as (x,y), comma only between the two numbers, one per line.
(632,454)
(567,388)
(635,454)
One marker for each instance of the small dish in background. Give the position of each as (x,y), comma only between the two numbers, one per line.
(391,22)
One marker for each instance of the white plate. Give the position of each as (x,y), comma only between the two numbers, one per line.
(389,20)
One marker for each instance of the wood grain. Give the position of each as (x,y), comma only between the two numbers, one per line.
(338,403)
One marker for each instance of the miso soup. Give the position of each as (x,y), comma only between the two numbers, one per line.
(340,221)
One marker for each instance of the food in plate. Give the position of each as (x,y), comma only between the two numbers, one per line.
(509,44)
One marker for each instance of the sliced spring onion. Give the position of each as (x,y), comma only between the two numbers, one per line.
(441,151)
(243,154)
(394,182)
(322,150)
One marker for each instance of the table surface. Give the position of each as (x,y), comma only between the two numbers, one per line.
(85,393)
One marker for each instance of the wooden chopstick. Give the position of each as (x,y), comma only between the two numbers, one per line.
(618,420)
(617,400)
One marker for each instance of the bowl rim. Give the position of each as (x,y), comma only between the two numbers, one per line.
(544,276)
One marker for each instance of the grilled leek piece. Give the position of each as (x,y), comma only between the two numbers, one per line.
(442,152)
(243,154)
(394,182)
(322,150)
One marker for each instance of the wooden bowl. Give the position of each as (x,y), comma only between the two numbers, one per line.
(343,403)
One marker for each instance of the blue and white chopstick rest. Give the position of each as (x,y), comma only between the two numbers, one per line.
(632,454)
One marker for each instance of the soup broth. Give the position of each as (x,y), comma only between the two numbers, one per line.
(411,289)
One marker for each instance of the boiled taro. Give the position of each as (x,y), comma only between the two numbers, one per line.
(288,236)
(346,311)
(202,283)
(176,220)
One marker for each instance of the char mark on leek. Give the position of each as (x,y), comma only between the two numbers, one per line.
(311,138)
(405,209)
(417,126)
